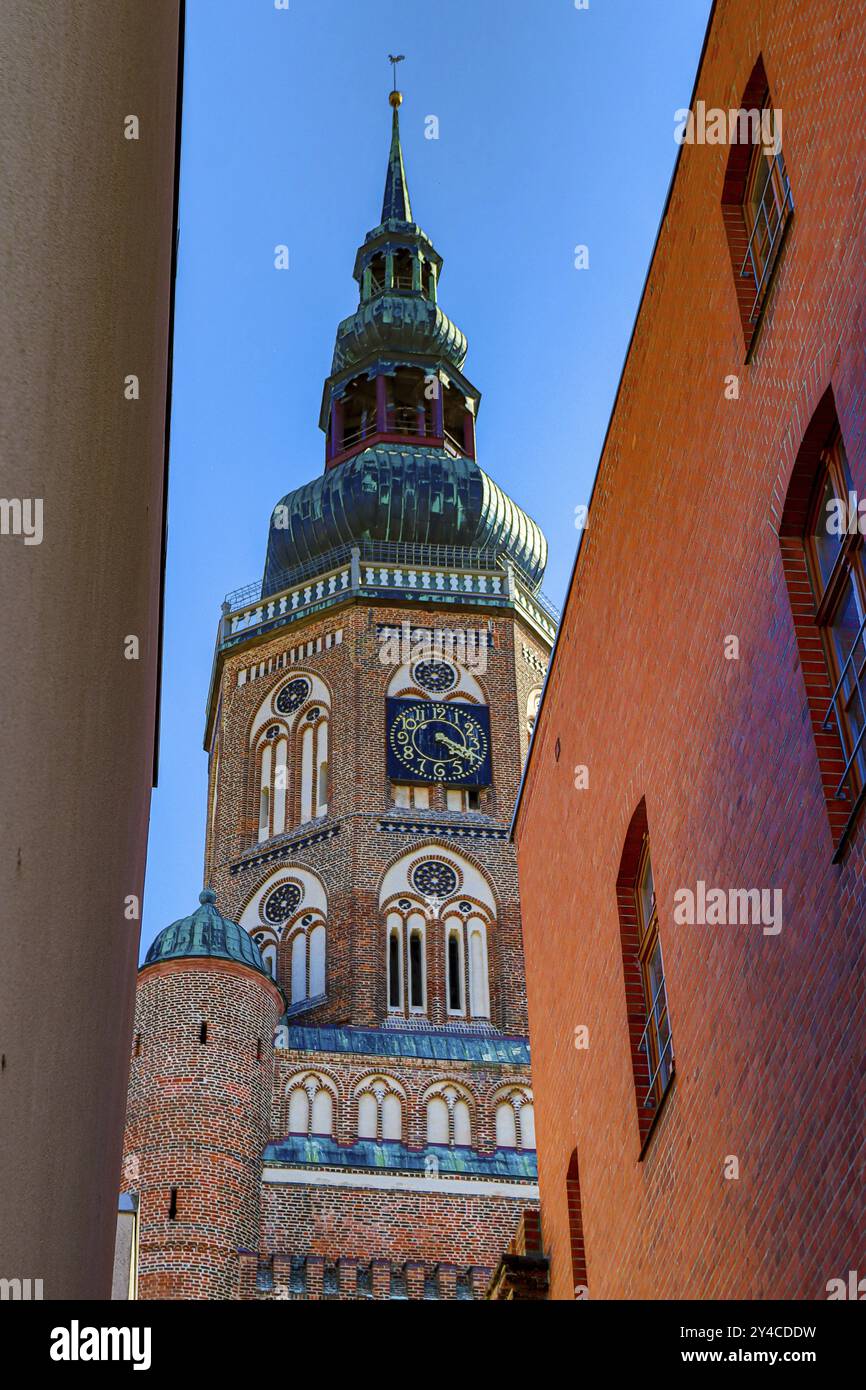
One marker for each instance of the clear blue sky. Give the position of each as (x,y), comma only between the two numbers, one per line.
(555,129)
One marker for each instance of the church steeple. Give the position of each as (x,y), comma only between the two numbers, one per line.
(395,205)
(398,414)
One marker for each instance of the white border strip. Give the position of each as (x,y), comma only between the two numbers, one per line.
(398,1182)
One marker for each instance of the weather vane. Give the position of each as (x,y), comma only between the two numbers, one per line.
(394,59)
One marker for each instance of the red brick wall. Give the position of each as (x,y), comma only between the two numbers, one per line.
(466,1231)
(681,550)
(197,1120)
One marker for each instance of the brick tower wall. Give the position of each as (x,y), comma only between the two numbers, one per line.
(197,1121)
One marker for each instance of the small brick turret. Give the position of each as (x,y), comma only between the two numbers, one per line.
(199,1104)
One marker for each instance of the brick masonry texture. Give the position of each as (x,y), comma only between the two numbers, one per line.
(200,1116)
(681,550)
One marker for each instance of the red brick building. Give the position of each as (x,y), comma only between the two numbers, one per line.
(695,932)
(330,1092)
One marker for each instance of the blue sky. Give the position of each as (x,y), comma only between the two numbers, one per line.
(555,130)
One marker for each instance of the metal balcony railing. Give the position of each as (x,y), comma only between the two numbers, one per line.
(765,240)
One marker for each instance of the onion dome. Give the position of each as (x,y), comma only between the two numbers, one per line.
(399,418)
(405,494)
(205,933)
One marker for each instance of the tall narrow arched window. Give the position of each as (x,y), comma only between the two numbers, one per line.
(308,964)
(756,199)
(307,740)
(395,961)
(575,1230)
(823,561)
(454,967)
(317,962)
(643,970)
(479,999)
(513,1131)
(299,967)
(280,784)
(265,793)
(416,967)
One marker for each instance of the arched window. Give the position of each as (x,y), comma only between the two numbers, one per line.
(823,561)
(515,1118)
(307,946)
(416,967)
(756,199)
(310,1104)
(289,740)
(380,1109)
(314,764)
(575,1230)
(454,964)
(265,793)
(449,1117)
(395,961)
(406,942)
(479,999)
(317,961)
(643,970)
(439,913)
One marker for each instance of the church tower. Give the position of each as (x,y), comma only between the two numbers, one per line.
(369,714)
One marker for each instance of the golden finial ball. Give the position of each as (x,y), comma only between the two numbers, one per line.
(396,99)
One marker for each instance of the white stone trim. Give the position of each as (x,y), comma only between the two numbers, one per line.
(398,1182)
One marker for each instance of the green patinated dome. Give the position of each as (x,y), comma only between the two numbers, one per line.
(390,477)
(403,493)
(206,934)
(400,323)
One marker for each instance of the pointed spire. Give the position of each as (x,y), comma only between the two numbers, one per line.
(395,204)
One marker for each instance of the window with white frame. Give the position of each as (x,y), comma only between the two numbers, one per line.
(406,930)
(307,941)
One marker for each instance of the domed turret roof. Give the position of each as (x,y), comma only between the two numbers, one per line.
(206,933)
(408,494)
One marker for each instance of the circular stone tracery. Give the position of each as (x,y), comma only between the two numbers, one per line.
(434,878)
(281,903)
(292,696)
(436,676)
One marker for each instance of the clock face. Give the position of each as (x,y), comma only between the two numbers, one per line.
(433,741)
